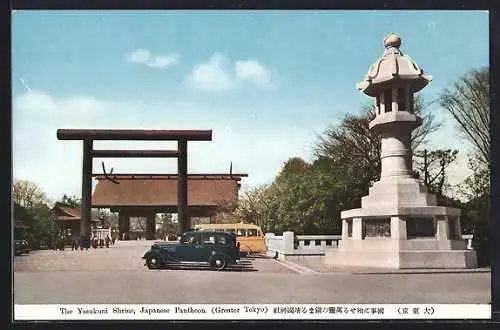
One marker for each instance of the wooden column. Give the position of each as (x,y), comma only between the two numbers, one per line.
(151,227)
(86,203)
(182,190)
(121,224)
(126,226)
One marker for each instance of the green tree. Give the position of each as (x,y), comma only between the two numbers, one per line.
(468,102)
(432,165)
(30,207)
(40,221)
(250,206)
(27,194)
(72,201)
(303,199)
(168,226)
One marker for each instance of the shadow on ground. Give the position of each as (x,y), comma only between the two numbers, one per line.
(245,264)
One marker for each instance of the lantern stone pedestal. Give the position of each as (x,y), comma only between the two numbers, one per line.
(399,224)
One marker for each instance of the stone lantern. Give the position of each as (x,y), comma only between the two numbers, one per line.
(399,224)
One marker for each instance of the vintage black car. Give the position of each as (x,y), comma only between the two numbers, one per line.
(216,249)
(21,246)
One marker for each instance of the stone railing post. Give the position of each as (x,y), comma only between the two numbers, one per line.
(288,246)
(267,236)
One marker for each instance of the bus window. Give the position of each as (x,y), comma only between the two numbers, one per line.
(241,232)
(229,231)
(252,232)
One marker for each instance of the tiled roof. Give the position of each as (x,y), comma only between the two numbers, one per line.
(66,212)
(161,190)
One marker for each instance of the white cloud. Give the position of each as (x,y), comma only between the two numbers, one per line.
(56,165)
(213,75)
(253,70)
(219,73)
(145,57)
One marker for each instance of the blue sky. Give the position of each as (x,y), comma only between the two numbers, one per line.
(266,82)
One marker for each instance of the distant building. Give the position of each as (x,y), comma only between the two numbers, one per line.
(68,219)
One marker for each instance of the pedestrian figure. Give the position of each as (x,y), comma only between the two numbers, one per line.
(107,241)
(61,243)
(113,240)
(73,244)
(87,242)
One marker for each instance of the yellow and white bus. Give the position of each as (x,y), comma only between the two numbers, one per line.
(250,236)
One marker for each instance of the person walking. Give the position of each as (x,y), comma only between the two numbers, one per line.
(87,242)
(73,244)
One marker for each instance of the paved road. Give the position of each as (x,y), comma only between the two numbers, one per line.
(117,276)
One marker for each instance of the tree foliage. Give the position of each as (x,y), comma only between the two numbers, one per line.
(72,201)
(432,165)
(27,194)
(468,101)
(168,226)
(30,207)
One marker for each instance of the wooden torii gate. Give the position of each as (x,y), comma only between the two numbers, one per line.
(89,135)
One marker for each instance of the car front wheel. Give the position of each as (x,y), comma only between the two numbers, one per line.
(153,262)
(219,263)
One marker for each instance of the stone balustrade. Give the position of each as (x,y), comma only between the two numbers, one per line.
(290,244)
(301,245)
(317,242)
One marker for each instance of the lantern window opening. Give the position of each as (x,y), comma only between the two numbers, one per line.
(378,105)
(388,100)
(402,99)
(411,107)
